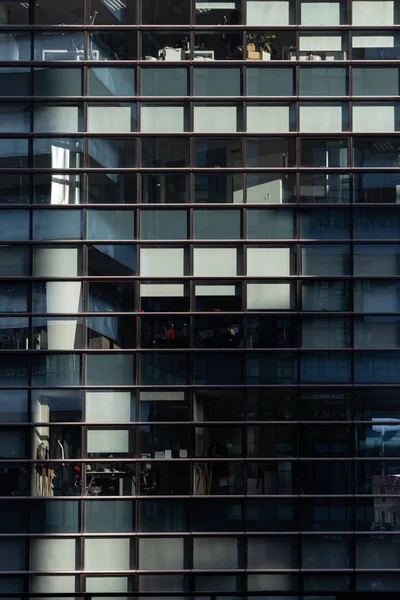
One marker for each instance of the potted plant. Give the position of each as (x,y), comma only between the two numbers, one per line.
(265,42)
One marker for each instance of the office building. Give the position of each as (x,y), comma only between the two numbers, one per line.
(199,297)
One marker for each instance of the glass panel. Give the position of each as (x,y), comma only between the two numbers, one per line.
(164,188)
(57,153)
(332,188)
(102,14)
(14,189)
(14,261)
(376,45)
(163,224)
(15,81)
(165,152)
(218,332)
(110,333)
(54,45)
(13,153)
(214,46)
(270,188)
(271,152)
(171,332)
(111,45)
(111,188)
(217,81)
(215,12)
(155,405)
(112,259)
(159,81)
(324,81)
(111,153)
(56,188)
(210,188)
(163,12)
(111,81)
(169,46)
(218,152)
(57,81)
(267,81)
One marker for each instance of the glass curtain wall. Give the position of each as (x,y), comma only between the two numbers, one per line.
(190,392)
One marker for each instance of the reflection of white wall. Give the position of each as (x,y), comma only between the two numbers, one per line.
(267,191)
(52,554)
(109,119)
(107,554)
(160,262)
(107,584)
(268,296)
(107,441)
(268,262)
(215,118)
(267,119)
(214,262)
(45,584)
(267,12)
(108,407)
(373,12)
(162,118)
(321,118)
(373,118)
(61,296)
(320,13)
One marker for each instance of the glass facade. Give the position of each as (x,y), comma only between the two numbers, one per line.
(193,398)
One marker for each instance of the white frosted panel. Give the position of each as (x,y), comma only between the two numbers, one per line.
(373,41)
(209,262)
(56,119)
(215,118)
(109,119)
(321,118)
(156,396)
(109,440)
(160,290)
(268,296)
(267,12)
(52,554)
(268,262)
(309,43)
(107,584)
(107,554)
(161,118)
(161,262)
(320,13)
(215,290)
(63,296)
(61,334)
(267,119)
(45,584)
(112,407)
(217,553)
(214,5)
(373,12)
(374,118)
(266,192)
(162,554)
(55,262)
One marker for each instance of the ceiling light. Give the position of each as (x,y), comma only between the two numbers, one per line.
(114,4)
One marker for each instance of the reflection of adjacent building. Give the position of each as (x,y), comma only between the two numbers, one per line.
(387,505)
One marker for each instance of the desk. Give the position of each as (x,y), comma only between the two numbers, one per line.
(93,475)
